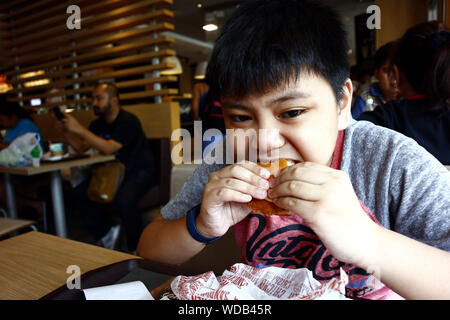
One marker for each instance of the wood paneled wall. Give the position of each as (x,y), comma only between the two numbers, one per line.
(119,40)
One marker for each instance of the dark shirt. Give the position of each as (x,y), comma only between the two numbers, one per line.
(126,129)
(415,119)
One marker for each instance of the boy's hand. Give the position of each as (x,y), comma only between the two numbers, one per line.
(325,199)
(226,195)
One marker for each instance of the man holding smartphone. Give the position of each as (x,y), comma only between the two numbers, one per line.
(120,133)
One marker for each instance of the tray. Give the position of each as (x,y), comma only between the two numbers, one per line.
(71,156)
(154,275)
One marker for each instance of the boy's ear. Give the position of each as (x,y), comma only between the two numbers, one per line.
(345,106)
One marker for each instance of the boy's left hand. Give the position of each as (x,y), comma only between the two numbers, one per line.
(325,199)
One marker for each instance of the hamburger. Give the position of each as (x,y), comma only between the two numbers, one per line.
(266,206)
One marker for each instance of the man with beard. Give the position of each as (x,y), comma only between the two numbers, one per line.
(116,132)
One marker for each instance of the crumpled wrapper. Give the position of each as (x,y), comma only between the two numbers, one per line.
(244,282)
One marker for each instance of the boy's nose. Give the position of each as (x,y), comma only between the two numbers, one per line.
(269,141)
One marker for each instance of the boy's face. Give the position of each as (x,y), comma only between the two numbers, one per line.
(302,119)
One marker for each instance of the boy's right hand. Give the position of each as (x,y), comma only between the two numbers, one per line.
(226,195)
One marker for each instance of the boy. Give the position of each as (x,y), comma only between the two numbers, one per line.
(282,66)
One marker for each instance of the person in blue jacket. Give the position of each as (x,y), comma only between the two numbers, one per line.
(16,121)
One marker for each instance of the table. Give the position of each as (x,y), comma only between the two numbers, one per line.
(55,183)
(34,264)
(8,225)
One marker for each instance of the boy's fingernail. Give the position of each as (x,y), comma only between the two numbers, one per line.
(272,183)
(260,193)
(276,174)
(263,183)
(264,173)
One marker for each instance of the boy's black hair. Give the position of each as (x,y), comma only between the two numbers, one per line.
(268,43)
(383,55)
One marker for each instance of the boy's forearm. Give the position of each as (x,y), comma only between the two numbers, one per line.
(412,269)
(168,241)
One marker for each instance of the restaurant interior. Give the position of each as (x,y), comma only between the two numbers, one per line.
(53,53)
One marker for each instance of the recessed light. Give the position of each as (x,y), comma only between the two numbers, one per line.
(199,5)
(210,27)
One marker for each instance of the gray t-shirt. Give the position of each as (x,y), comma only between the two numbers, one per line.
(404,186)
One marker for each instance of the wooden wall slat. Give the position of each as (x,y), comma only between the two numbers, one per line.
(62,29)
(87,33)
(47,23)
(143,57)
(26,8)
(80,35)
(148,93)
(119,41)
(42,29)
(6,7)
(161,40)
(89,44)
(120,85)
(59,9)
(106,75)
(96,55)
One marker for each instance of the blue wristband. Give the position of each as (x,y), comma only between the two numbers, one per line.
(192,227)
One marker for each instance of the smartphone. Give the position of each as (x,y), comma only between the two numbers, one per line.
(58,113)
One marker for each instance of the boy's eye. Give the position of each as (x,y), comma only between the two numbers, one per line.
(239,118)
(292,113)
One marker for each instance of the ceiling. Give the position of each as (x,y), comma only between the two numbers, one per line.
(195,44)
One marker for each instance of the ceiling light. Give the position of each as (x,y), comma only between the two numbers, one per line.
(34,83)
(200,70)
(210,27)
(178,69)
(199,5)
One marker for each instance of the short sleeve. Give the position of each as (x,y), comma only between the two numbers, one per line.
(190,194)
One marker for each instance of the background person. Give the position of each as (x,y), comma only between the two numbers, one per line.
(422,70)
(116,132)
(16,121)
(380,92)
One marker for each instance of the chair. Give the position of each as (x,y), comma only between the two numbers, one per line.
(9,226)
